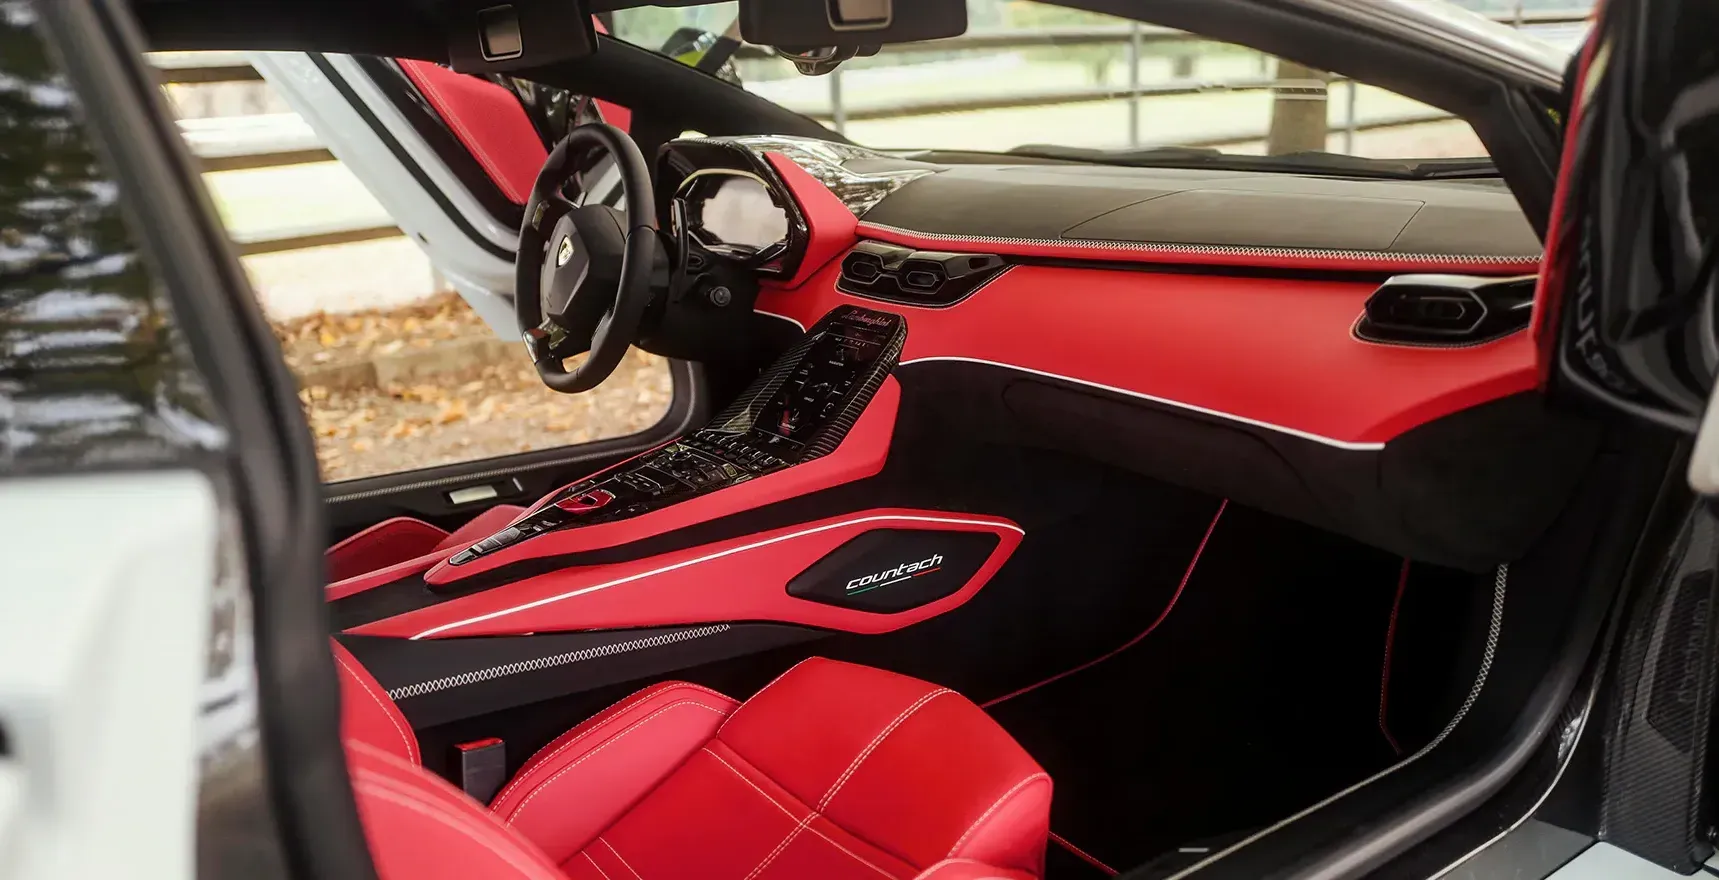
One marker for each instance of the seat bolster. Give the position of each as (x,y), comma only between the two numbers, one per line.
(421,828)
(383,544)
(578,785)
(1014,830)
(481,526)
(967,869)
(367,715)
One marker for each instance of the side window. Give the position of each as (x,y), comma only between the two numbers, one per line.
(397,370)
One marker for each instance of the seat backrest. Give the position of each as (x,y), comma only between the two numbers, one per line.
(367,715)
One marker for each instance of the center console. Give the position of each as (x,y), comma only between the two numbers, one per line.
(799,410)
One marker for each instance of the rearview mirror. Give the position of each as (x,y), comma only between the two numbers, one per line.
(804,24)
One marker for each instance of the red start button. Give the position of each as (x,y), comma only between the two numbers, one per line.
(586,502)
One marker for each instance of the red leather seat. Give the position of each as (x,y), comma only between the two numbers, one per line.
(396,540)
(832,771)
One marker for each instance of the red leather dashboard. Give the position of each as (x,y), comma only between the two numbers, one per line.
(1269,352)
(1272,352)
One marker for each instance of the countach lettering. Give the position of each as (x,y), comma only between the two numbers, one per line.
(895,575)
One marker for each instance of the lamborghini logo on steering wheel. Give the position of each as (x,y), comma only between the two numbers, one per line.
(564,252)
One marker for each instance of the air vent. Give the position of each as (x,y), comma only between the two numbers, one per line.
(1446,310)
(924,278)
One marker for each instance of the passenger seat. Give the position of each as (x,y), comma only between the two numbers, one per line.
(833,771)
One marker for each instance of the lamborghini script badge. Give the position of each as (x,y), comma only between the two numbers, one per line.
(564,252)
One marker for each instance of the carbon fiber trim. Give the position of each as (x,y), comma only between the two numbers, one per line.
(1656,752)
(739,415)
(744,412)
(826,440)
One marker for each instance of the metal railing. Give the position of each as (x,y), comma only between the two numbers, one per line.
(281,140)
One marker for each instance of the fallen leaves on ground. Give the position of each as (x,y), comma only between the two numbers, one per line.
(323,338)
(496,409)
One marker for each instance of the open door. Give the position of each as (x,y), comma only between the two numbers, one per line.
(428,409)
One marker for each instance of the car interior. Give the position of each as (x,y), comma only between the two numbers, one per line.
(1036,517)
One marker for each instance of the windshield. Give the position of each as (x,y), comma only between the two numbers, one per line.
(1040,79)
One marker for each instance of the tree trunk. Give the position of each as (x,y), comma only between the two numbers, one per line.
(1298,110)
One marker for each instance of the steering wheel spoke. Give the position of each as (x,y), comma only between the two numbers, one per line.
(549,212)
(597,264)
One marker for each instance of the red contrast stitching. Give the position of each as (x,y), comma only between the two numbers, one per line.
(1385,669)
(1081,854)
(1186,575)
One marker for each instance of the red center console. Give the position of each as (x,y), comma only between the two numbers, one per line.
(592,555)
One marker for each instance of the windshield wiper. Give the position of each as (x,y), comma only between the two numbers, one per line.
(1454,169)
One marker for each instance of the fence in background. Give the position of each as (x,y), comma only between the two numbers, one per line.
(279,140)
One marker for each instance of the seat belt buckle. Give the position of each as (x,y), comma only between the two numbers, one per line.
(483,767)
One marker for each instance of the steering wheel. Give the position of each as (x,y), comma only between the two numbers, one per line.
(582,277)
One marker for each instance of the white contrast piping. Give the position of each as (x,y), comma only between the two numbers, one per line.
(1494,631)
(780,318)
(1305,435)
(539,603)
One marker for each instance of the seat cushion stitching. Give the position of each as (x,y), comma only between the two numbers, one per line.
(782,846)
(411,745)
(983,817)
(824,802)
(619,858)
(761,691)
(532,763)
(790,815)
(599,868)
(514,815)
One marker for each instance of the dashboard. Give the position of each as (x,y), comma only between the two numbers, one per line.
(1196,325)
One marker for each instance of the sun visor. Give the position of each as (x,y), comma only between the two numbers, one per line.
(489,37)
